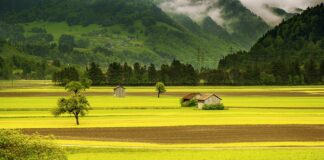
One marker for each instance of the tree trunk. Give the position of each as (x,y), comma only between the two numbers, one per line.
(159,94)
(77,119)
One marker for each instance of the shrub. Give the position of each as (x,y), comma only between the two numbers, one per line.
(16,146)
(191,103)
(213,107)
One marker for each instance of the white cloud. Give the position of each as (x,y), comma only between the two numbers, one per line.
(260,9)
(197,10)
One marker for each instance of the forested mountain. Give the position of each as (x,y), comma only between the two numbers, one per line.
(106,31)
(229,17)
(291,53)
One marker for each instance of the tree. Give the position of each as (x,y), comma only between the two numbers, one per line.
(114,73)
(137,72)
(95,74)
(76,87)
(14,145)
(322,70)
(152,75)
(311,72)
(77,104)
(66,43)
(127,74)
(160,88)
(66,75)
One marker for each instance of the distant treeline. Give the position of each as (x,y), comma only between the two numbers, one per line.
(280,73)
(124,74)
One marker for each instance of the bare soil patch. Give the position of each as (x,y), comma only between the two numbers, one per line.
(191,134)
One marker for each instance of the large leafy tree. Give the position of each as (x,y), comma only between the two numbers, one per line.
(77,104)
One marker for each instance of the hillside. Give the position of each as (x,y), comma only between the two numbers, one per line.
(131,30)
(230,16)
(291,53)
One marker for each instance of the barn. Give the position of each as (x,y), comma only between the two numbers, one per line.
(191,96)
(119,91)
(203,98)
(209,99)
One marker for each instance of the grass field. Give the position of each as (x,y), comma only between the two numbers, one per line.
(27,104)
(222,154)
(162,117)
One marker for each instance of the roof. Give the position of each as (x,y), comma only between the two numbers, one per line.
(204,97)
(119,86)
(190,96)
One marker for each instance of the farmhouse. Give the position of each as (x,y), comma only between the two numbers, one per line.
(209,99)
(203,98)
(191,96)
(119,91)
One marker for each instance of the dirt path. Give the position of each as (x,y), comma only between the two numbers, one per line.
(192,134)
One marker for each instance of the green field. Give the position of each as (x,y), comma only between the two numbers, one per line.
(162,117)
(223,154)
(27,104)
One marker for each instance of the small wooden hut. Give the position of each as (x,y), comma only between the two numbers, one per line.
(119,91)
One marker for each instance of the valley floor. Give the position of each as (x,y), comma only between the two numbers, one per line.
(261,123)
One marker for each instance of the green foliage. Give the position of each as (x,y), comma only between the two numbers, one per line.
(289,54)
(66,43)
(95,74)
(66,75)
(213,107)
(76,104)
(76,87)
(129,31)
(86,82)
(160,88)
(190,103)
(16,146)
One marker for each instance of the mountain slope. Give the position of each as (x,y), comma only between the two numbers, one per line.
(241,24)
(292,52)
(123,30)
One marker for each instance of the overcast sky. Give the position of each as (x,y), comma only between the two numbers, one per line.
(197,9)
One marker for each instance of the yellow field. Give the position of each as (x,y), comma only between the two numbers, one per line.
(30,102)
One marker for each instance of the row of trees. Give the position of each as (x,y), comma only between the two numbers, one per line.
(175,74)
(275,73)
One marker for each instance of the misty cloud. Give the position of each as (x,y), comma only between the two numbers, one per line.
(196,10)
(259,7)
(199,9)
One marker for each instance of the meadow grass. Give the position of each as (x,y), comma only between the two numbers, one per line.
(161,117)
(203,146)
(97,102)
(219,154)
(165,102)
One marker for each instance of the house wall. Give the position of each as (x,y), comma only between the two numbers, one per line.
(200,105)
(211,100)
(119,92)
